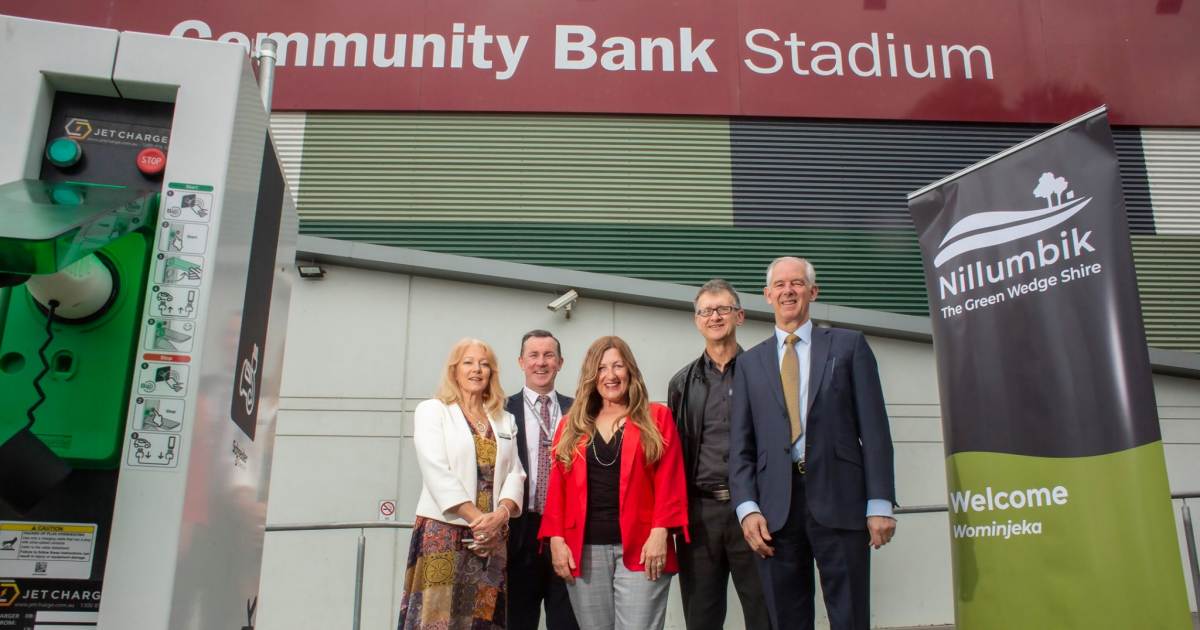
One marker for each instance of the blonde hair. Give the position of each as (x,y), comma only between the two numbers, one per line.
(449,392)
(581,420)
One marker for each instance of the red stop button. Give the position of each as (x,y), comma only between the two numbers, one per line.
(151,161)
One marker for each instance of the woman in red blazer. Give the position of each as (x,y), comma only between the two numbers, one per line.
(616,489)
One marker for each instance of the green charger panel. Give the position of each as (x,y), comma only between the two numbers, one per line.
(47,225)
(87,386)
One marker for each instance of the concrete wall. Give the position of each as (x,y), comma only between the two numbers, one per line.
(364,347)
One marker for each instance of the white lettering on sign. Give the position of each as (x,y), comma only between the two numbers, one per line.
(574,49)
(579,47)
(990,500)
(386,50)
(865,58)
(996,529)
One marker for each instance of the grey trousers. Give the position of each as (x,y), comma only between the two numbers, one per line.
(608,596)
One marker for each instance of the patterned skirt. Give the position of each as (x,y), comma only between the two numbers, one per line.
(446,586)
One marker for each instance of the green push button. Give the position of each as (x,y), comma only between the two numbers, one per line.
(64,152)
(67,195)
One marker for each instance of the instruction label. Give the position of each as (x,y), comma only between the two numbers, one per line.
(188,205)
(173,317)
(153,450)
(47,550)
(163,379)
(170,335)
(159,414)
(186,238)
(188,202)
(177,303)
(179,270)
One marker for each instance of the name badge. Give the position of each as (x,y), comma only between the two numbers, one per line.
(504,436)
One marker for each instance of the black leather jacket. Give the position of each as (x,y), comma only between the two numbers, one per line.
(687,394)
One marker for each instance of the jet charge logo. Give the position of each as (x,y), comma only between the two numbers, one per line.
(78,129)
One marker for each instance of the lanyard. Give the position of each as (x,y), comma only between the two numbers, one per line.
(538,414)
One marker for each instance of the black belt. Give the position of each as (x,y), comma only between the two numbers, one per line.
(718,492)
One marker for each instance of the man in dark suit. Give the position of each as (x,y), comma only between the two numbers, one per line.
(810,460)
(538,410)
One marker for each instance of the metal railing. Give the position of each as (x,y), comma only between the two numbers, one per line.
(360,558)
(1184,511)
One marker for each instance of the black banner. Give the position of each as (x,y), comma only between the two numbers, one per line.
(1031,286)
(1059,504)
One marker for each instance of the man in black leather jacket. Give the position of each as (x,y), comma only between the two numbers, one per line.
(699,396)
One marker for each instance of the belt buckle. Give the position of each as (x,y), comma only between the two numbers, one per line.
(800,467)
(721,495)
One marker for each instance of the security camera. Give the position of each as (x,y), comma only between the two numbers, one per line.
(564,302)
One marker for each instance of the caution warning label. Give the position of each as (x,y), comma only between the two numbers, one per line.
(46,550)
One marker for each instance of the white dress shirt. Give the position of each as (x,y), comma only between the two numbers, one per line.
(533,431)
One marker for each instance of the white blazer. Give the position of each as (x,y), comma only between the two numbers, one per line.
(449,471)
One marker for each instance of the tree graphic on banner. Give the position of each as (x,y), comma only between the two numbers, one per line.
(1049,186)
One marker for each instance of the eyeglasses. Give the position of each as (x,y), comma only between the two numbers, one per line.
(722,310)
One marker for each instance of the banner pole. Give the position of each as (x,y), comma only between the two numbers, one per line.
(1009,151)
(1189,534)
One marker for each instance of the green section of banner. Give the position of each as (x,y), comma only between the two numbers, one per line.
(1064,543)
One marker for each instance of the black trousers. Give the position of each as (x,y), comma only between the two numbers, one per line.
(843,561)
(717,550)
(531,581)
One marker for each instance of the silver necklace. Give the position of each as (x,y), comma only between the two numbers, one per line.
(620,435)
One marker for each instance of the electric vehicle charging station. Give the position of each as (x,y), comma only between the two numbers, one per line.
(147,239)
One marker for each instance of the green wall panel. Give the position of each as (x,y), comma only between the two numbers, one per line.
(654,197)
(480,167)
(1168,269)
(878,269)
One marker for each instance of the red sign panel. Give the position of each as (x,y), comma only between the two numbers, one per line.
(971,60)
(167,358)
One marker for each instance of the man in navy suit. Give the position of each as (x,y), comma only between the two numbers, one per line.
(538,410)
(810,460)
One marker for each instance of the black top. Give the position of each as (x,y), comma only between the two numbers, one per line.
(714,441)
(603,526)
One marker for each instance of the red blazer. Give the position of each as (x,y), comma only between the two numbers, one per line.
(650,496)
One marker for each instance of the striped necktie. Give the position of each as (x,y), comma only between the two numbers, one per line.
(543,470)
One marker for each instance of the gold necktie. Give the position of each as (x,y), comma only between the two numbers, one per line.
(789,373)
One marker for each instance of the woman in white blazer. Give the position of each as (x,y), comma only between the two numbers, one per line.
(472,484)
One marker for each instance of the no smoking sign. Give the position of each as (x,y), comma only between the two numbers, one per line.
(387,510)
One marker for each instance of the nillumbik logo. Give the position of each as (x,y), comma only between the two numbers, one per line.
(996,227)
